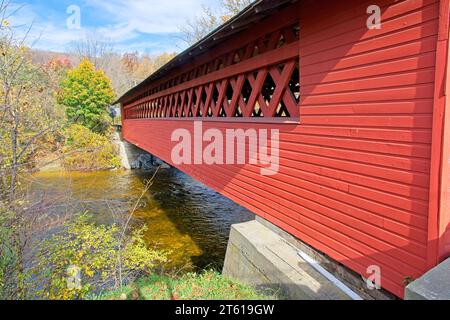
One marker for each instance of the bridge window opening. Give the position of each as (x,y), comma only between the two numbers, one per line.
(294,83)
(161,109)
(215,97)
(179,102)
(209,112)
(186,99)
(164,108)
(296,30)
(222,112)
(282,111)
(255,52)
(229,92)
(281,42)
(204,96)
(268,88)
(246,90)
(221,66)
(194,97)
(238,112)
(257,111)
(236,58)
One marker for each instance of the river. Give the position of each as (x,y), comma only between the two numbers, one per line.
(183,216)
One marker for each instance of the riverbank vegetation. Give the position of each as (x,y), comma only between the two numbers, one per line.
(105,256)
(209,285)
(55,106)
(85,150)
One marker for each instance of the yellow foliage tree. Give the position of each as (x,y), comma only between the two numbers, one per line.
(86,93)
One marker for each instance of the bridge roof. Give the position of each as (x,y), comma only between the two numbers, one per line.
(252,14)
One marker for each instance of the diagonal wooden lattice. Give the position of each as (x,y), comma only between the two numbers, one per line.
(259,79)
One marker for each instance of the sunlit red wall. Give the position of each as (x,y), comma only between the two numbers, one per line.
(355,172)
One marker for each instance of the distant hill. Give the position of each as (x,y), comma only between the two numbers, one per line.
(41,57)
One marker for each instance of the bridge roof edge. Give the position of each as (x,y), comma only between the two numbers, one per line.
(262,8)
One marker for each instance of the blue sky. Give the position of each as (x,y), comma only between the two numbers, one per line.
(147,26)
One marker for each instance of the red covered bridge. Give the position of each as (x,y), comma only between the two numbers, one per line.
(362,112)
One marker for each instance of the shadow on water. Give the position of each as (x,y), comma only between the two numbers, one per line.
(199,214)
(183,216)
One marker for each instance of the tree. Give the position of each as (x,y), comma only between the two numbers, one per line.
(94,48)
(127,70)
(233,7)
(198,27)
(27,117)
(86,93)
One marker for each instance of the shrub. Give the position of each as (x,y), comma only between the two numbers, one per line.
(87,150)
(99,255)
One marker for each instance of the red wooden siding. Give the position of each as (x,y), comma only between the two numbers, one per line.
(354,174)
(442,155)
(439,214)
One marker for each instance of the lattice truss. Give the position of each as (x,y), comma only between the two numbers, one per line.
(209,91)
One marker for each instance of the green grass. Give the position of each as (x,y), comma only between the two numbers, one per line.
(209,285)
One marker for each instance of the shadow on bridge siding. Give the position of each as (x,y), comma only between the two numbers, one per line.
(332,124)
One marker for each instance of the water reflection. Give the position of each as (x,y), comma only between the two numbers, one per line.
(182,215)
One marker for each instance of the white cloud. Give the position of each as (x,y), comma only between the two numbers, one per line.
(129,23)
(148,16)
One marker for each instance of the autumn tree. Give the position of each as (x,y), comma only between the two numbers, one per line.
(85,94)
(28,116)
(198,27)
(128,70)
(233,7)
(95,48)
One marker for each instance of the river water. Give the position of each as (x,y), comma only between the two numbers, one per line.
(183,216)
